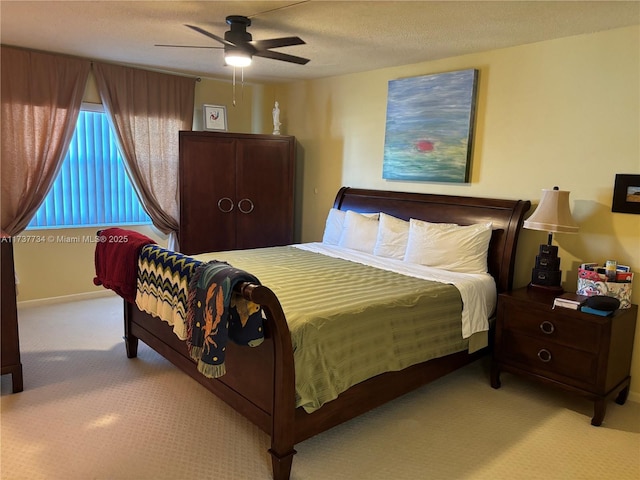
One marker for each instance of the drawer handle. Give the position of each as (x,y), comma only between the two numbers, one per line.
(544,355)
(230,204)
(245,210)
(547,327)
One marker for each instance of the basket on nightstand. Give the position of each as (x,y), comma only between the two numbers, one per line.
(591,283)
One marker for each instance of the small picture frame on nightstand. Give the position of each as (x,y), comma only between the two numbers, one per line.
(215,117)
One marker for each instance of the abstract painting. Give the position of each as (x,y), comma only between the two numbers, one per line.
(429,129)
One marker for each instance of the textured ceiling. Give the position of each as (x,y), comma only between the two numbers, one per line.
(341,37)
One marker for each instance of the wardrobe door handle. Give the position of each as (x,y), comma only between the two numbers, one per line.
(544,355)
(243,210)
(547,327)
(220,204)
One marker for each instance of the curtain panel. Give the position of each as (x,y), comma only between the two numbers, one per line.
(147,110)
(40,98)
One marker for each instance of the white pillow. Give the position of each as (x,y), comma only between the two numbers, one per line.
(359,231)
(393,234)
(458,249)
(441,226)
(421,225)
(333,227)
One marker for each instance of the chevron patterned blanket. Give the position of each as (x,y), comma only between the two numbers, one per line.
(163,282)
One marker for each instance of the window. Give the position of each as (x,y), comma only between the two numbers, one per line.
(92,187)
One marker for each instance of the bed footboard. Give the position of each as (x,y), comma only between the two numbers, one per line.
(130,340)
(283,411)
(260,381)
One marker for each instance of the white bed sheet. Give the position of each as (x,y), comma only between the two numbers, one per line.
(478,291)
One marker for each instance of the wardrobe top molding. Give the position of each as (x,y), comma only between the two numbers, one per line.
(200,133)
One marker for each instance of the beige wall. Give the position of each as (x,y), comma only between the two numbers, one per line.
(220,92)
(563,112)
(59,262)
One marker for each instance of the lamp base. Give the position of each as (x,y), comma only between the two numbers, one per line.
(546,274)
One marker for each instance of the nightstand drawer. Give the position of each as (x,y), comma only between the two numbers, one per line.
(561,363)
(561,328)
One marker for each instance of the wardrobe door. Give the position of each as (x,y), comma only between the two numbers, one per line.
(265,181)
(207,192)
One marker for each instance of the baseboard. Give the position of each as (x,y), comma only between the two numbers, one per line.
(66,298)
(634,397)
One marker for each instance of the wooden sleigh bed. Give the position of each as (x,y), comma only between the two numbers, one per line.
(260,382)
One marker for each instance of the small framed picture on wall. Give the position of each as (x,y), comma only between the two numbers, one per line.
(215,117)
(626,194)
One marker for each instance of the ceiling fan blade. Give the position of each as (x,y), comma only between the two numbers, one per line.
(276,43)
(281,56)
(210,35)
(184,46)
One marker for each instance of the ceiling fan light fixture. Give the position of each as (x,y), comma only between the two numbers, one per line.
(239,47)
(237,59)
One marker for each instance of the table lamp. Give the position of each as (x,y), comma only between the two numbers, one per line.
(551,215)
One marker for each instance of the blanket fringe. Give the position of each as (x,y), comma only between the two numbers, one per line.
(211,371)
(195,352)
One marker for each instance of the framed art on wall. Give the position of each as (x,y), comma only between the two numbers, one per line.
(429,127)
(626,194)
(215,117)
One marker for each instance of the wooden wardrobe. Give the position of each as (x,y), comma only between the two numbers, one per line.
(236,191)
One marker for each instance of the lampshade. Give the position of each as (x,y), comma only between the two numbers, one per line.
(553,213)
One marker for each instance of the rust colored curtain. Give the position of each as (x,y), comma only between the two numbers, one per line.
(147,110)
(40,98)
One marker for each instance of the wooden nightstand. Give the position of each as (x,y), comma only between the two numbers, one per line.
(583,353)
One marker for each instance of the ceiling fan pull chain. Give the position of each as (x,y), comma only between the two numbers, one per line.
(234,87)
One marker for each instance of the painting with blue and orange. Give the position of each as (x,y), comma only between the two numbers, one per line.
(429,129)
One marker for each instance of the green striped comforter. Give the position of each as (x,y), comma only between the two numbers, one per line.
(350,322)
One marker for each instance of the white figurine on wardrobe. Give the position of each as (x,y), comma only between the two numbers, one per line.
(276,119)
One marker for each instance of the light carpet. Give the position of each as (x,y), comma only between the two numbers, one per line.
(88,412)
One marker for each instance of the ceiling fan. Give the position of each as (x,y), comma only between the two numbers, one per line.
(239,46)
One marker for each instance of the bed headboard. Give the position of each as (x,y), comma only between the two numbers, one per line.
(506,216)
